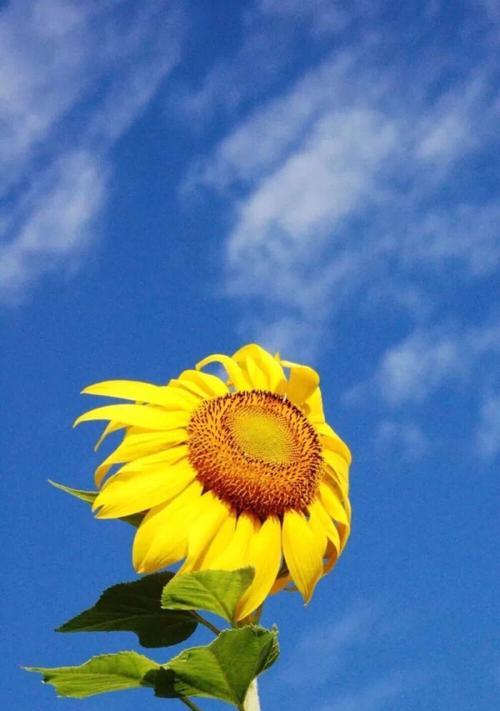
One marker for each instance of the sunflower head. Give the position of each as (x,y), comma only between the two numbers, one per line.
(233,472)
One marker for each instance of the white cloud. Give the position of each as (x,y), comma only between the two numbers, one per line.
(54,221)
(272,35)
(324,649)
(487,434)
(406,438)
(228,85)
(426,360)
(72,80)
(269,134)
(40,75)
(333,190)
(464,236)
(324,16)
(372,697)
(315,188)
(321,654)
(295,218)
(289,335)
(411,370)
(449,126)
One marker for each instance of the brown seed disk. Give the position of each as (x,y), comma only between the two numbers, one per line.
(256,451)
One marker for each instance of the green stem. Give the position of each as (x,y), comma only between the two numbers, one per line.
(252,702)
(207,624)
(190,704)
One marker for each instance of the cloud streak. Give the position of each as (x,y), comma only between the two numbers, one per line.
(327,652)
(333,188)
(407,438)
(81,79)
(429,358)
(372,697)
(325,649)
(54,221)
(487,435)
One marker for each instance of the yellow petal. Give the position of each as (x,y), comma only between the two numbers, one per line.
(330,497)
(331,477)
(235,554)
(156,460)
(338,464)
(125,494)
(161,539)
(253,373)
(204,385)
(264,555)
(137,415)
(135,445)
(219,543)
(303,553)
(345,532)
(347,506)
(313,408)
(335,444)
(109,429)
(233,370)
(344,528)
(319,532)
(264,371)
(302,383)
(332,555)
(168,398)
(210,517)
(319,519)
(326,429)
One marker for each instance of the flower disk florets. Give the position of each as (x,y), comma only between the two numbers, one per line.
(256,451)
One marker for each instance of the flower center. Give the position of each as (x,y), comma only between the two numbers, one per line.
(256,451)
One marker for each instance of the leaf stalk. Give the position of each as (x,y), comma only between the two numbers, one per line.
(199,618)
(190,704)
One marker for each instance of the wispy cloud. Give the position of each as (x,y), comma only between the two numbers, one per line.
(429,358)
(229,86)
(296,216)
(325,649)
(487,435)
(372,697)
(322,656)
(407,438)
(333,190)
(269,135)
(53,222)
(323,17)
(271,39)
(464,237)
(72,80)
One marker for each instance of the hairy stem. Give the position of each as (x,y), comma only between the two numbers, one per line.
(206,623)
(252,702)
(190,704)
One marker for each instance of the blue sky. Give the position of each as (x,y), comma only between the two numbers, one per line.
(321,177)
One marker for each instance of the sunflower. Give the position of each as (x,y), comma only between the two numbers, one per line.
(228,473)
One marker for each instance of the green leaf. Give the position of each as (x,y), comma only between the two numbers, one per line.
(90,496)
(222,670)
(83,495)
(135,607)
(216,591)
(108,672)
